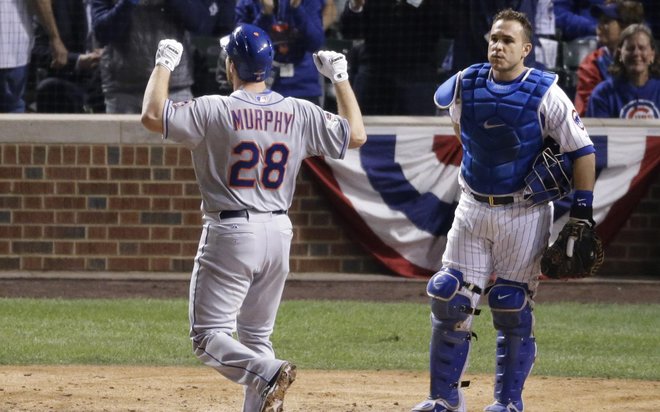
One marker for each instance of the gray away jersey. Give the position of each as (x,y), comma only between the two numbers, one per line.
(247,148)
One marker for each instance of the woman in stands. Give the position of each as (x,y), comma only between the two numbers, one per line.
(633,92)
(613,17)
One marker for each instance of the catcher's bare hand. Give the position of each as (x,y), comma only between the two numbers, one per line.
(577,252)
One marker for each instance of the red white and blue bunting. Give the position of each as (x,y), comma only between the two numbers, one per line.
(398,192)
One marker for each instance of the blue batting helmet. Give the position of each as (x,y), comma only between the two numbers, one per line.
(251,50)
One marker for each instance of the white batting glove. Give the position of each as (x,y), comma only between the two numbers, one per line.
(169,53)
(332,65)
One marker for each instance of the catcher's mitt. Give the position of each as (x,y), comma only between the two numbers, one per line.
(577,252)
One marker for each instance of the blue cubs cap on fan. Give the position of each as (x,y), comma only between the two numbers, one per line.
(251,50)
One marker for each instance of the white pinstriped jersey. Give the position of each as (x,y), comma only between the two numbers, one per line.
(247,148)
(508,240)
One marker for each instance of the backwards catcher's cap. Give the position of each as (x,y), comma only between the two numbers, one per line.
(251,50)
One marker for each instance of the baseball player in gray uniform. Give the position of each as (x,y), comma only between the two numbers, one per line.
(247,149)
(503,114)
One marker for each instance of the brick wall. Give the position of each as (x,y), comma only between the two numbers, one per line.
(635,251)
(99,193)
(134,208)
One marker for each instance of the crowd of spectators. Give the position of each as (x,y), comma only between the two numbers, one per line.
(94,56)
(612,17)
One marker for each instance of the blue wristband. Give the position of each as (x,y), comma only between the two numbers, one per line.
(582,205)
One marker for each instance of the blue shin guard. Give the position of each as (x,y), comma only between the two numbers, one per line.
(515,358)
(449,353)
(516,345)
(451,308)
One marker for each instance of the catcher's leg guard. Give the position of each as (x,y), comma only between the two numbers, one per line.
(451,307)
(516,347)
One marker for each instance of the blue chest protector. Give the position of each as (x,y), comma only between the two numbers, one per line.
(501,129)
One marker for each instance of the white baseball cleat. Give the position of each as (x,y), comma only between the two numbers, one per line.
(275,393)
(500,407)
(438,405)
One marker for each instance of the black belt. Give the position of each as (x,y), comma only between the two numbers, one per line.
(230,214)
(494,200)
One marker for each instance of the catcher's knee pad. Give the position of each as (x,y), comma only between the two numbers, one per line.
(449,350)
(511,307)
(450,297)
(451,306)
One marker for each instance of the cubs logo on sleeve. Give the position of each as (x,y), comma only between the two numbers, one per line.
(577,120)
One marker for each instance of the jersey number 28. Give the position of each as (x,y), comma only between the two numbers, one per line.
(272,173)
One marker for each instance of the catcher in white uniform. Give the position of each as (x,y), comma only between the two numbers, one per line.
(507,117)
(247,149)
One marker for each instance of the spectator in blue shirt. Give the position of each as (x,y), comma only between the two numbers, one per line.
(633,91)
(296,29)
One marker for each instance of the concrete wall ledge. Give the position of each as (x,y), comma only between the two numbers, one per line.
(75,128)
(179,276)
(306,276)
(126,128)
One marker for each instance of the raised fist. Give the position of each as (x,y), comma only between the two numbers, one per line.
(332,65)
(169,53)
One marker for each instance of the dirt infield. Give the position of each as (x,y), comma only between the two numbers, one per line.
(119,388)
(152,389)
